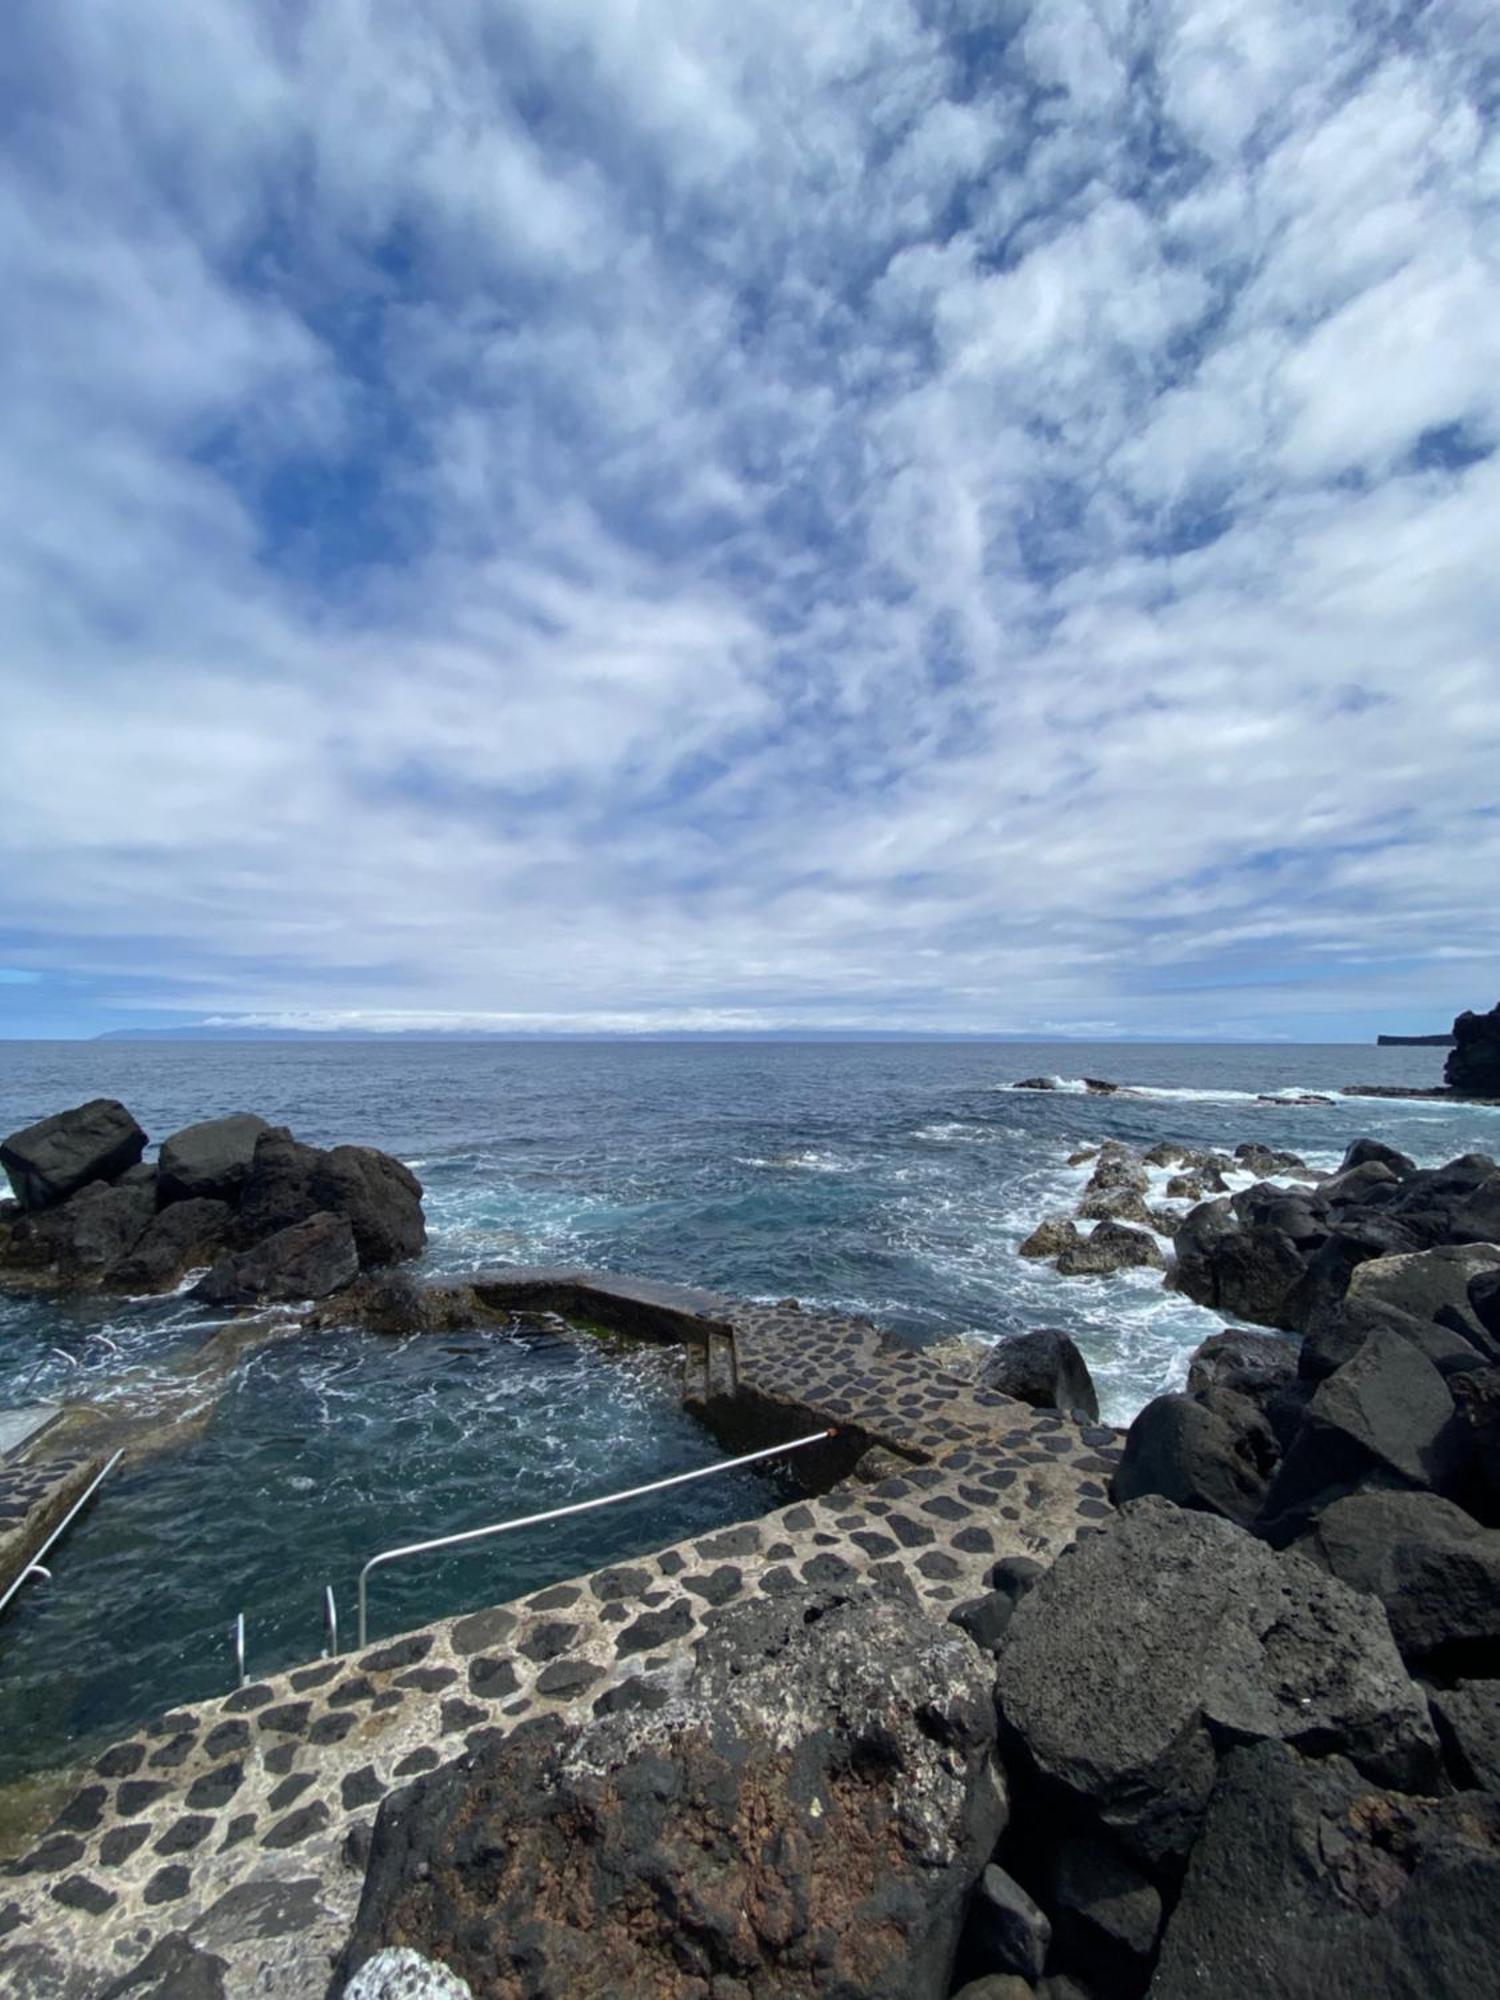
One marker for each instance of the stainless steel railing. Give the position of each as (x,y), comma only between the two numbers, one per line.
(36,1567)
(562,1513)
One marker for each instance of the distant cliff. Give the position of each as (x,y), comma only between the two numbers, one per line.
(1414,1041)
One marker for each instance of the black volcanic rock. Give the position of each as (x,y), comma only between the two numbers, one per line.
(380,1198)
(1309,1883)
(77,1242)
(176,1240)
(1213,1451)
(1433,1567)
(1383,1420)
(306,1261)
(1473,1063)
(1042,1368)
(57,1156)
(1152,1647)
(210,1161)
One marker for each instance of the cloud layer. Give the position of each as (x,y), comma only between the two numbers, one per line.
(919,513)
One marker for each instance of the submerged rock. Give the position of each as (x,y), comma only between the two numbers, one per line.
(1150,1648)
(807,1813)
(57,1156)
(1042,1368)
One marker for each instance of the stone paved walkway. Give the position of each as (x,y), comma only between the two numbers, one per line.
(243,1822)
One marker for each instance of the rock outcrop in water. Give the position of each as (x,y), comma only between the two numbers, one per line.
(1474,1064)
(276,1219)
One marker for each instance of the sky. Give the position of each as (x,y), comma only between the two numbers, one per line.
(670,515)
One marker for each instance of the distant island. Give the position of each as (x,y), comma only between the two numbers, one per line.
(1414,1041)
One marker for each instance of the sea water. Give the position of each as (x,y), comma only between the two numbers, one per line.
(890,1179)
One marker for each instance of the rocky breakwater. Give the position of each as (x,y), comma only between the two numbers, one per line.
(268,1217)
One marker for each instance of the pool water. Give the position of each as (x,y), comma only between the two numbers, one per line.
(324,1449)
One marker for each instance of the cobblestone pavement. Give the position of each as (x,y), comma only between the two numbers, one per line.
(243,1822)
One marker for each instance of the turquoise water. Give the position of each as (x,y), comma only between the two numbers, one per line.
(891,1179)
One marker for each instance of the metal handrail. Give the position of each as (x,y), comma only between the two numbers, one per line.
(36,1567)
(561,1513)
(330,1623)
(237,1641)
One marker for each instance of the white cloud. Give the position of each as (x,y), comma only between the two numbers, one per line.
(627,513)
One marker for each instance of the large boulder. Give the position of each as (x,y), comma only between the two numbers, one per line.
(1106,1914)
(307,1261)
(807,1814)
(1341,1332)
(1043,1368)
(1433,1567)
(77,1242)
(57,1156)
(210,1161)
(1151,1647)
(1309,1884)
(1456,1203)
(1252,1364)
(1056,1234)
(1214,1452)
(381,1199)
(1473,1064)
(1429,1285)
(177,1240)
(1382,1420)
(1476,1443)
(1245,1272)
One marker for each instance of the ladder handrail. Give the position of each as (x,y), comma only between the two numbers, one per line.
(560,1513)
(35,1565)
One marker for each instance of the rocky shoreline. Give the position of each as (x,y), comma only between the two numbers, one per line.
(1016,1706)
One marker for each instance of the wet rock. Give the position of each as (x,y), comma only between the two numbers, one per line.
(1117,1170)
(1111,1247)
(1333,1890)
(1468,1722)
(177,1240)
(1433,1567)
(57,1156)
(1050,1238)
(1214,1452)
(307,1261)
(1382,1420)
(1043,1368)
(77,1242)
(1116,1205)
(379,1197)
(852,1733)
(1006,1932)
(1150,1648)
(210,1161)
(1473,1063)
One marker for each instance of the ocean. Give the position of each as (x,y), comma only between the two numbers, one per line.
(890,1179)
